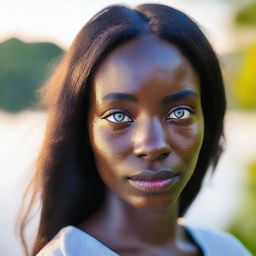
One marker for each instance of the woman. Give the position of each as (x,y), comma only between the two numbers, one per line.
(136,112)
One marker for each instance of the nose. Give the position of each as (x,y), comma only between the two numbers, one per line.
(150,141)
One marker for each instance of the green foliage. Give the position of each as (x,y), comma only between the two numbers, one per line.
(246,16)
(231,66)
(24,67)
(239,69)
(245,86)
(244,225)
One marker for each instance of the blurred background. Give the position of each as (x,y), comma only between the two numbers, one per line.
(33,37)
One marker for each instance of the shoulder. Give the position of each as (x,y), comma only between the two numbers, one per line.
(215,242)
(71,241)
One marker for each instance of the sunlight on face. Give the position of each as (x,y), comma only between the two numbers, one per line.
(146,122)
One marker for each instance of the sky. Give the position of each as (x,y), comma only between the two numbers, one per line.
(60,20)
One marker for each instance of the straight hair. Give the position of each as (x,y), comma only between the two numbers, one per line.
(66,179)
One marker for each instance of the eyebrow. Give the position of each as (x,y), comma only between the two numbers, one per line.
(168,99)
(179,95)
(120,96)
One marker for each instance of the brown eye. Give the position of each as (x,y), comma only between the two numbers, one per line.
(118,117)
(180,113)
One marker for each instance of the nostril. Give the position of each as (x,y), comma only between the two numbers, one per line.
(164,155)
(141,155)
(156,157)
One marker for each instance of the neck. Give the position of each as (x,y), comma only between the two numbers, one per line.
(138,226)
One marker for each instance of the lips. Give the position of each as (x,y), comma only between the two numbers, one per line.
(151,181)
(147,175)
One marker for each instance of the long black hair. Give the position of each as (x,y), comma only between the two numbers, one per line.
(66,177)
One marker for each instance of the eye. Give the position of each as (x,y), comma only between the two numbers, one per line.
(118,117)
(180,113)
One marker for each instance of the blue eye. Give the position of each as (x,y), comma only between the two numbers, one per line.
(180,113)
(118,117)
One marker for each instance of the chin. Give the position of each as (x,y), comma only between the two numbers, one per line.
(152,202)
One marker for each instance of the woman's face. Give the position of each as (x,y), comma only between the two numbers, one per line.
(146,124)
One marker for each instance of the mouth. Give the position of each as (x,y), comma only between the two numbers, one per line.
(154,181)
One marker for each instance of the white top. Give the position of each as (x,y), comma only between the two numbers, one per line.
(71,241)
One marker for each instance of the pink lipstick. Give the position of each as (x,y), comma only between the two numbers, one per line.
(151,181)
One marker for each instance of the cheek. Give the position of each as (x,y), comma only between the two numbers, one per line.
(110,151)
(110,148)
(108,143)
(187,141)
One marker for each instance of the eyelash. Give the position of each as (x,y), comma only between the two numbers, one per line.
(117,112)
(125,116)
(186,110)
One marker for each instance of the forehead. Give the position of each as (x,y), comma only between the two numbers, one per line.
(144,61)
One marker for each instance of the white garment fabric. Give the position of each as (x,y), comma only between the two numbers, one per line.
(71,241)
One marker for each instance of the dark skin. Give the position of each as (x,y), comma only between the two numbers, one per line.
(145,115)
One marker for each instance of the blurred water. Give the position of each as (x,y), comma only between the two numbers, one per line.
(20,139)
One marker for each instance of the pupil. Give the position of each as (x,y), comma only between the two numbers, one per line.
(179,113)
(119,117)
